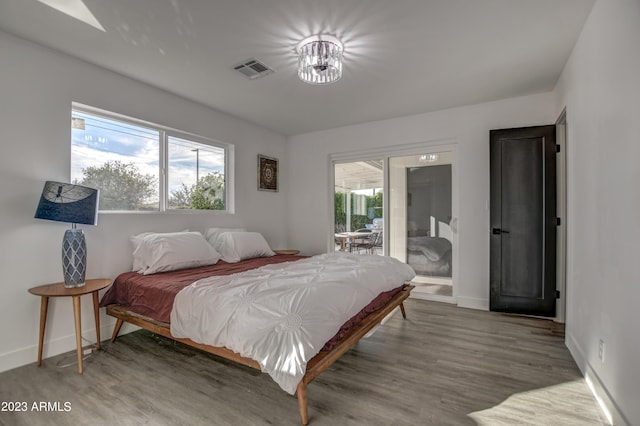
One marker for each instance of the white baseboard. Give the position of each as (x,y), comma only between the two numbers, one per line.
(473,303)
(462,302)
(432,297)
(29,354)
(599,390)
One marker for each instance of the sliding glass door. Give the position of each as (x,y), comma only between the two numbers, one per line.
(421,218)
(410,200)
(359,205)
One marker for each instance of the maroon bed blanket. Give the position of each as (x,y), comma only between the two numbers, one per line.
(152,295)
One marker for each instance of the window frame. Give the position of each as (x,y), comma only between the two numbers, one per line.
(165,133)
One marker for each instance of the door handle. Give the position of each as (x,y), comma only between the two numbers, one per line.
(498,231)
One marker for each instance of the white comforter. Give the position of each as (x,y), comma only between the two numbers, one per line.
(282,315)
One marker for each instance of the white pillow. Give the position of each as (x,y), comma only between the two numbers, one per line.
(135,242)
(212,234)
(171,251)
(237,246)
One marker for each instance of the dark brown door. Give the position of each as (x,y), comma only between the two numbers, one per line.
(523,220)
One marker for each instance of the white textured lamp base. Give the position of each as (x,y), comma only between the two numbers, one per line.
(74,258)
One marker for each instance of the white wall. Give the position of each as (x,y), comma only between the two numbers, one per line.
(600,88)
(37,87)
(309,216)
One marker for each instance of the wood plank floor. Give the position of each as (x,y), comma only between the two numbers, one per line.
(442,366)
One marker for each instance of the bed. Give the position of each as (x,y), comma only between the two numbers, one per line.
(148,300)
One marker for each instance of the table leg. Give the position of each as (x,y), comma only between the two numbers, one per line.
(44,304)
(96,314)
(76,315)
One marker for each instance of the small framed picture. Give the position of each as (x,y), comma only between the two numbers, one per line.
(267,173)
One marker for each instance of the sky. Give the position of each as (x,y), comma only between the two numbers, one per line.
(104,140)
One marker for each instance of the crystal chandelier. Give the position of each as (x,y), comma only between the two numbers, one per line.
(320,59)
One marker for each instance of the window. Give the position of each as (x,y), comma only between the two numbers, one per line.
(123,157)
(358,195)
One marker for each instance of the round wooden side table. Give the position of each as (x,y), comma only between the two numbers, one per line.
(59,290)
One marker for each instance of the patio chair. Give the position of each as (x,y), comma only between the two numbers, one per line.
(368,244)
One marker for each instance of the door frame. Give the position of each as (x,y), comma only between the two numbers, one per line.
(561,207)
(532,214)
(384,153)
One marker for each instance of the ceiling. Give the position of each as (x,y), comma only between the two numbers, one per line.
(401,57)
(358,175)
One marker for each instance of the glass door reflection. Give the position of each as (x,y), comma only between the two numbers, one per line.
(420,218)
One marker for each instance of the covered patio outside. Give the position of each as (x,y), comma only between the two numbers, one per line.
(358,204)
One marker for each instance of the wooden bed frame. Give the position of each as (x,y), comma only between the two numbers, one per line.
(315,366)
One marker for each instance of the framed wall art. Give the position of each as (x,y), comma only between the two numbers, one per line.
(267,173)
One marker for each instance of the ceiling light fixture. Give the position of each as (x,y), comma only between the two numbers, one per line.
(428,158)
(320,59)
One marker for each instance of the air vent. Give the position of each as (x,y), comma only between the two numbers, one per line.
(253,68)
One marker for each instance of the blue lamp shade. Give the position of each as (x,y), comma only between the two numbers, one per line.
(65,202)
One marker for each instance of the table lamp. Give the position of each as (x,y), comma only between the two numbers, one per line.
(65,202)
